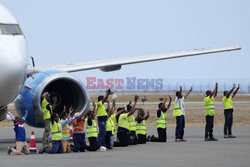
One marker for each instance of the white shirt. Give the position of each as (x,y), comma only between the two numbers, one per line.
(182,104)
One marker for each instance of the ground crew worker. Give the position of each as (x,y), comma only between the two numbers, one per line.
(21,144)
(179,113)
(109,126)
(228,111)
(56,134)
(102,118)
(91,130)
(132,124)
(46,110)
(66,119)
(79,133)
(123,126)
(161,121)
(209,112)
(141,129)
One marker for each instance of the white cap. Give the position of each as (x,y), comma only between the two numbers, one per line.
(77,114)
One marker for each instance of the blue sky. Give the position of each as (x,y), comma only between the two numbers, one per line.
(62,31)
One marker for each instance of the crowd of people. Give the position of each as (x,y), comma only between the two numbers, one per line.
(127,122)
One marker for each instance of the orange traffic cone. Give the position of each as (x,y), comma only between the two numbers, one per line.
(33,143)
(71,131)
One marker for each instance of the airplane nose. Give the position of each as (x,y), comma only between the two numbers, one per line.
(13,62)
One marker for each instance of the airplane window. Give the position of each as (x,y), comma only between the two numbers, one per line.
(10,29)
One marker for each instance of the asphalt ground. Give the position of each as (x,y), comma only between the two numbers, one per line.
(194,152)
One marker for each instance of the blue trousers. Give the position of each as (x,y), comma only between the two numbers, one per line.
(180,125)
(102,133)
(79,142)
(57,147)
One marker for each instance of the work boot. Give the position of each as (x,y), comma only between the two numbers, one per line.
(231,136)
(226,136)
(178,140)
(8,150)
(41,150)
(207,139)
(183,140)
(214,139)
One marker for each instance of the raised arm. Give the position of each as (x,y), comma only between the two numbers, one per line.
(113,108)
(121,111)
(236,91)
(215,90)
(146,116)
(94,111)
(231,91)
(136,99)
(105,97)
(186,95)
(180,92)
(169,103)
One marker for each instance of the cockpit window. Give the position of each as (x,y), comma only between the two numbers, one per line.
(10,29)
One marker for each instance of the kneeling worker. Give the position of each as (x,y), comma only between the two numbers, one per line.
(141,129)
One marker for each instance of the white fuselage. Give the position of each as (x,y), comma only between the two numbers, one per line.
(13,58)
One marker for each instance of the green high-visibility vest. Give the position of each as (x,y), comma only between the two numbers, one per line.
(141,128)
(101,110)
(131,123)
(66,131)
(46,113)
(209,106)
(56,130)
(91,130)
(177,109)
(110,126)
(227,102)
(161,122)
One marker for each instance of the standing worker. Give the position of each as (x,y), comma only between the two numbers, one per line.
(228,111)
(179,113)
(161,121)
(46,110)
(110,129)
(209,112)
(102,118)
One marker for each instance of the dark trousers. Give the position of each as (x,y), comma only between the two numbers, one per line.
(209,127)
(162,135)
(132,138)
(180,125)
(107,139)
(142,139)
(57,147)
(79,142)
(122,139)
(92,144)
(228,113)
(102,133)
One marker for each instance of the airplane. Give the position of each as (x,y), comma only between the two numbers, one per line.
(25,85)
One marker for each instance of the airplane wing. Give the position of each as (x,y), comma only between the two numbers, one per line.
(115,64)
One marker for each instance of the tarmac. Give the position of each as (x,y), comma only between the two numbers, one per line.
(194,152)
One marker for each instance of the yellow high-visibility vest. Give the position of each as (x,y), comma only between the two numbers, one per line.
(91,130)
(177,109)
(141,128)
(131,123)
(161,122)
(209,106)
(46,113)
(56,130)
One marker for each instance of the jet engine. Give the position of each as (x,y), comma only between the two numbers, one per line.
(68,90)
